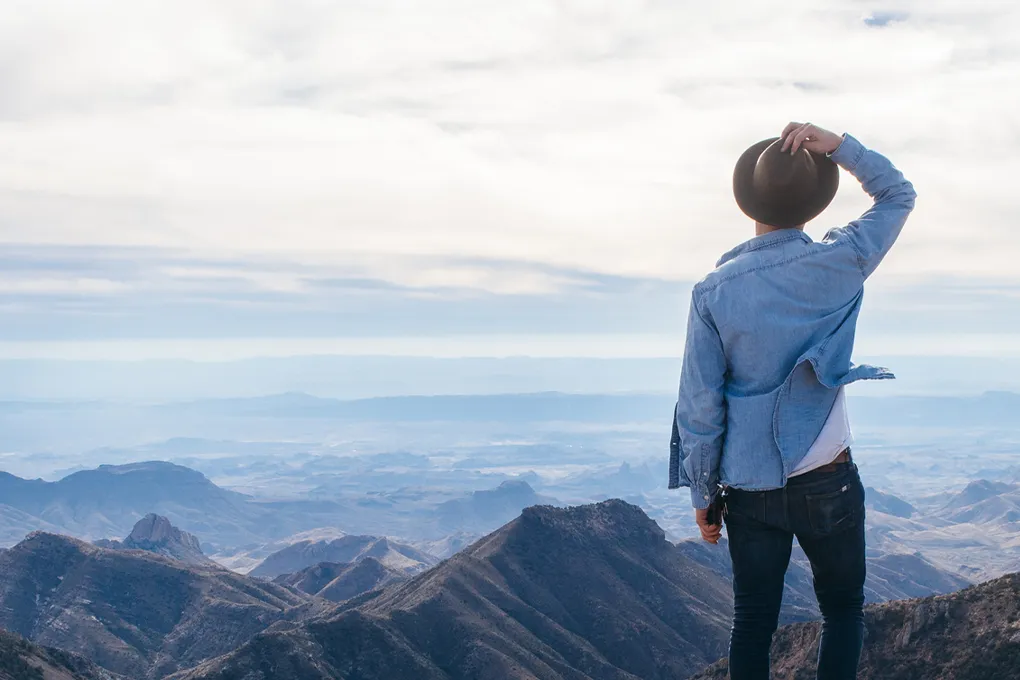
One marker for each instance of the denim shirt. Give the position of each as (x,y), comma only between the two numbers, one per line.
(769,338)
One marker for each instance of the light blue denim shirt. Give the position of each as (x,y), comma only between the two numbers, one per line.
(769,338)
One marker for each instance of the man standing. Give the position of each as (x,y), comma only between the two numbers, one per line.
(762,413)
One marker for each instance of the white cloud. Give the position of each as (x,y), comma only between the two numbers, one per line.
(592,134)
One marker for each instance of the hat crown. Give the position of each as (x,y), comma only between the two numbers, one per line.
(784,179)
(783,189)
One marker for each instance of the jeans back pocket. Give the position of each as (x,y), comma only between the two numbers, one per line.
(835,511)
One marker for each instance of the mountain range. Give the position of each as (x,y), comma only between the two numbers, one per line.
(586,592)
(347,549)
(591,592)
(239,530)
(136,613)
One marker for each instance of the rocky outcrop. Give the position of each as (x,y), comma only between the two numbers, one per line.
(154,533)
(973,634)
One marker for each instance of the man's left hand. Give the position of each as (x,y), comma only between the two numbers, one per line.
(709,532)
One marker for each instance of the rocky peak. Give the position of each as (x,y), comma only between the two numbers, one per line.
(613,520)
(154,533)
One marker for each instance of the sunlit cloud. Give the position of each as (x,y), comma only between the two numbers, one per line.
(501,149)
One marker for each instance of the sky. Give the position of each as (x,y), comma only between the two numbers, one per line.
(476,177)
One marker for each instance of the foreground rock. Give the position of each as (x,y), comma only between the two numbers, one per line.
(970,635)
(22,660)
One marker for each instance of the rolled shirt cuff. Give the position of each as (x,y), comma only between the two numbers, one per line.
(849,153)
(701,497)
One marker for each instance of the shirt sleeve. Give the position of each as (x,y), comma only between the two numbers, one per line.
(700,417)
(874,232)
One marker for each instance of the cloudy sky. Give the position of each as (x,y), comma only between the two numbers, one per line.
(476,176)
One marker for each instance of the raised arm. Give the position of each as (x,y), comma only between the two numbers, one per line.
(874,232)
(700,422)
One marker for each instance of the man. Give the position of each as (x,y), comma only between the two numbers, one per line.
(761,412)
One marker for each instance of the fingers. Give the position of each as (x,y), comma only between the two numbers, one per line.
(805,134)
(709,532)
(791,134)
(787,130)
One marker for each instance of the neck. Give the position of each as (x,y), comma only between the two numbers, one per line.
(760,229)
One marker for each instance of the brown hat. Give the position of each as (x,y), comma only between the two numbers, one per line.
(783,189)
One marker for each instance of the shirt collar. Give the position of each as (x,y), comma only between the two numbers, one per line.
(773,238)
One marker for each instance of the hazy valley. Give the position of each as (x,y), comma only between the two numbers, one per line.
(216,537)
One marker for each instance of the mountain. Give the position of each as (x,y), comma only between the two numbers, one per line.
(22,660)
(488,509)
(978,491)
(303,554)
(338,582)
(136,613)
(973,634)
(107,502)
(888,503)
(251,556)
(155,534)
(586,592)
(110,499)
(448,545)
(16,524)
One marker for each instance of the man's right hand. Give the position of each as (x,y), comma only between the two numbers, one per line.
(810,137)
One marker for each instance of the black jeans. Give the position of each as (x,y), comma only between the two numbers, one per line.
(825,511)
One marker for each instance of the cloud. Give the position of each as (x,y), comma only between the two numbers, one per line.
(242,153)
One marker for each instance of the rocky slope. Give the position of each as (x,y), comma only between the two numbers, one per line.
(582,593)
(303,554)
(22,660)
(338,582)
(135,613)
(973,634)
(155,534)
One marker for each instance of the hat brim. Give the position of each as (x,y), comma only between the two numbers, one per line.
(762,211)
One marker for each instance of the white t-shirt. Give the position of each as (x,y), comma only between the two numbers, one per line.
(834,437)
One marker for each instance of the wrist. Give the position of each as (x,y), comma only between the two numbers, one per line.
(839,142)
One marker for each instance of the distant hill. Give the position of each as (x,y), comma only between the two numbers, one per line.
(107,502)
(339,582)
(978,491)
(135,613)
(22,660)
(590,592)
(968,635)
(155,534)
(888,503)
(488,509)
(347,549)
